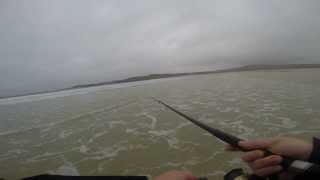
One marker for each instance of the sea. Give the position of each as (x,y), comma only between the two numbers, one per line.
(120,129)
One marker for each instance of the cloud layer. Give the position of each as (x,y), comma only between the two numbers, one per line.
(54,44)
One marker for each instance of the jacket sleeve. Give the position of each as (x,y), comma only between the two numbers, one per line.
(315,154)
(313,172)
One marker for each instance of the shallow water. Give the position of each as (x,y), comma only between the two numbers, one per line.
(120,130)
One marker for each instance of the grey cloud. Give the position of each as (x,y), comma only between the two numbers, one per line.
(55,44)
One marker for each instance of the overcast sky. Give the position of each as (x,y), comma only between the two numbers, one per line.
(50,44)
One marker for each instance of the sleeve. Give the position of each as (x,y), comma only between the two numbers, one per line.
(315,154)
(312,172)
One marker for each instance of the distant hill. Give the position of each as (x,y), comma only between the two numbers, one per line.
(237,69)
(161,76)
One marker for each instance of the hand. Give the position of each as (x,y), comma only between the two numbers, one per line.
(266,166)
(176,175)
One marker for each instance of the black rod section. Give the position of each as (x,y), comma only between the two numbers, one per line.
(225,137)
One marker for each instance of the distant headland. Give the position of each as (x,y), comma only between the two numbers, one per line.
(237,69)
(171,75)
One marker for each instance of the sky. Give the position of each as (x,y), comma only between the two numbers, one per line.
(46,45)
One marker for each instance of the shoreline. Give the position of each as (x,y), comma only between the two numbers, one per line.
(172,75)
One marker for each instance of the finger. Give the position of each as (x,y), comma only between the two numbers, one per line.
(255,144)
(268,171)
(252,155)
(266,162)
(230,148)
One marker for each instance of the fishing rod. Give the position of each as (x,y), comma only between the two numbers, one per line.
(228,138)
(297,167)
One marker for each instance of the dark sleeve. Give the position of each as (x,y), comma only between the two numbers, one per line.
(312,172)
(315,154)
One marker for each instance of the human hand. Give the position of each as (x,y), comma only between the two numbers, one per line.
(266,166)
(176,175)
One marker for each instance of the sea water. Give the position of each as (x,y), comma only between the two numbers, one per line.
(120,130)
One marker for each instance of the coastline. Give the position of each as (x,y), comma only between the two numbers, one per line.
(172,75)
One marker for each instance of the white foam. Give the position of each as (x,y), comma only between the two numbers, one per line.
(110,152)
(48,155)
(152,118)
(285,122)
(173,142)
(64,134)
(226,109)
(83,149)
(67,169)
(161,132)
(97,135)
(131,130)
(12,153)
(48,126)
(112,124)
(184,107)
